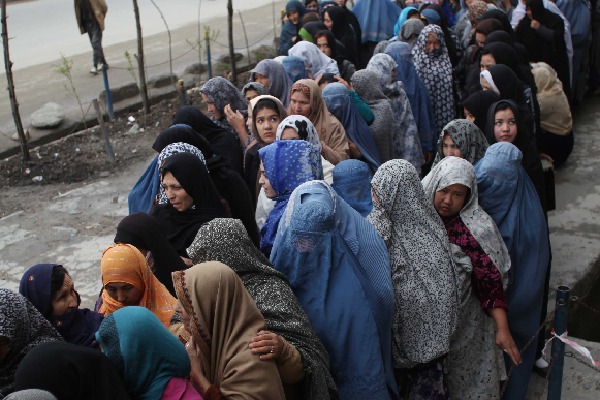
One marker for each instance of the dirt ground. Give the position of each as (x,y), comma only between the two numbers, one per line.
(79,158)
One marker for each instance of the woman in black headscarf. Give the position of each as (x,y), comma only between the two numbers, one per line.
(326,42)
(476,107)
(70,372)
(229,183)
(221,140)
(193,200)
(336,21)
(542,33)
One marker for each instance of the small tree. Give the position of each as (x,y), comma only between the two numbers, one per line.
(140,59)
(11,86)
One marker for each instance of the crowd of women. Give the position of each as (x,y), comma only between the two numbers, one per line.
(365,219)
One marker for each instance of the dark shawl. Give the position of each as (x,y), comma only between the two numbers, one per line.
(229,183)
(221,140)
(346,68)
(180,227)
(143,231)
(478,105)
(343,32)
(525,143)
(23,324)
(70,372)
(226,241)
(76,326)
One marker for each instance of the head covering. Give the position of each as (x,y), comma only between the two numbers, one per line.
(143,193)
(555,113)
(421,265)
(314,59)
(23,324)
(279,82)
(310,30)
(339,19)
(295,5)
(435,70)
(142,231)
(132,331)
(221,140)
(339,269)
(70,372)
(467,137)
(432,16)
(509,197)
(406,139)
(406,13)
(455,170)
(410,31)
(31,394)
(352,182)
(182,133)
(225,240)
(380,47)
(222,92)
(180,227)
(280,108)
(376,19)
(488,26)
(257,87)
(294,66)
(168,151)
(302,125)
(124,263)
(476,9)
(366,85)
(504,80)
(340,104)
(75,326)
(415,90)
(223,319)
(523,136)
(287,163)
(478,105)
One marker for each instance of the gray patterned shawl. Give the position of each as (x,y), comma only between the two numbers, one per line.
(423,273)
(467,137)
(226,240)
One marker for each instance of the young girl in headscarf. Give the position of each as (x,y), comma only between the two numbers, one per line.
(461,138)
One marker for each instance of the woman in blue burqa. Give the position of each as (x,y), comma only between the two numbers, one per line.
(339,269)
(508,196)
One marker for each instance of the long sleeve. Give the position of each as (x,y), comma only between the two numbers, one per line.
(363,108)
(334,142)
(291,369)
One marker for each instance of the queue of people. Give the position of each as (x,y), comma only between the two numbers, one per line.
(366,218)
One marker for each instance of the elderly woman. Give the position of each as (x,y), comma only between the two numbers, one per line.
(223,365)
(301,359)
(509,197)
(22,328)
(475,364)
(307,100)
(424,279)
(128,281)
(285,164)
(50,289)
(461,138)
(339,268)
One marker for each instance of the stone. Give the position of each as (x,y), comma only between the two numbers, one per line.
(50,116)
(225,58)
(163,80)
(121,93)
(195,69)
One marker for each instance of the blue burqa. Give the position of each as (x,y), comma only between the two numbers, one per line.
(508,196)
(376,18)
(339,269)
(352,182)
(287,164)
(144,191)
(340,104)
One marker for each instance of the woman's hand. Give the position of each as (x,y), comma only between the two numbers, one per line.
(197,377)
(268,343)
(343,82)
(353,151)
(235,119)
(505,341)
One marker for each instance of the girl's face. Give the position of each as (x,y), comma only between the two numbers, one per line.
(124,293)
(505,126)
(312,5)
(487,60)
(178,197)
(480,39)
(323,45)
(449,201)
(264,182)
(327,21)
(449,148)
(250,94)
(289,134)
(266,122)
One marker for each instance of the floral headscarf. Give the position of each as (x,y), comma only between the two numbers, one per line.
(302,125)
(467,137)
(222,92)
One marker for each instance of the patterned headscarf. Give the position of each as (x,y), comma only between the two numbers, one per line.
(410,31)
(454,170)
(225,240)
(222,92)
(423,272)
(125,263)
(168,151)
(279,82)
(435,70)
(223,319)
(25,327)
(476,10)
(257,87)
(406,139)
(287,163)
(302,125)
(314,59)
(467,137)
(132,331)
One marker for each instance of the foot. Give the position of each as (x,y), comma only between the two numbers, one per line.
(102,66)
(94,70)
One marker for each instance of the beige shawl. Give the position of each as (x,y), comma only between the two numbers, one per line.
(223,320)
(555,113)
